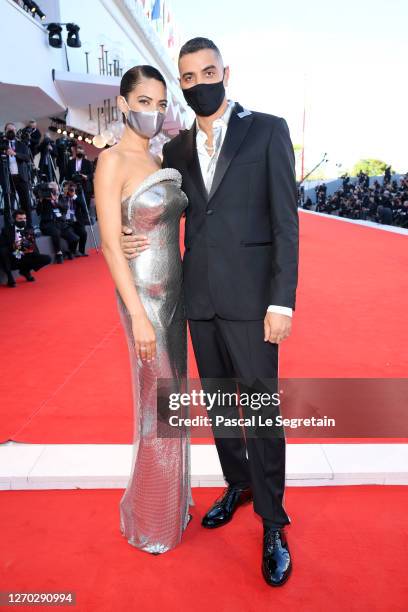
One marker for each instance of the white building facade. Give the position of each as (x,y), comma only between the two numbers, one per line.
(80,85)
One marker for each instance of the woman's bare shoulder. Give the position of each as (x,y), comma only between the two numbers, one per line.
(111,157)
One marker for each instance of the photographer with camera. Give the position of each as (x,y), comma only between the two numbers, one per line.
(18,249)
(80,171)
(52,223)
(33,136)
(75,217)
(48,151)
(63,145)
(15,176)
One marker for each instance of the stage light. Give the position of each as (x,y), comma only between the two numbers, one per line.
(59,131)
(65,132)
(73,35)
(36,9)
(29,5)
(71,135)
(79,137)
(54,35)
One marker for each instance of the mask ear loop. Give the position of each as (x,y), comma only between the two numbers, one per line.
(123,98)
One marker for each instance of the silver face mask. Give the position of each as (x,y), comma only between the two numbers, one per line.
(146,124)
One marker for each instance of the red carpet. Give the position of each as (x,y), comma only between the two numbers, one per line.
(65,372)
(348,546)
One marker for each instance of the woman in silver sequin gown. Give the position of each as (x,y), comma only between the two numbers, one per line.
(154,507)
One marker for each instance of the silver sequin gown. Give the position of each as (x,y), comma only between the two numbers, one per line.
(154,507)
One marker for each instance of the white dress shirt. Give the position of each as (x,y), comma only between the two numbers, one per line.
(12,158)
(70,214)
(208,164)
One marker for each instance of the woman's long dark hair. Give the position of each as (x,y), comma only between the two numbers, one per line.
(134,75)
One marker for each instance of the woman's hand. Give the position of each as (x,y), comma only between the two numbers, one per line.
(145,338)
(132,245)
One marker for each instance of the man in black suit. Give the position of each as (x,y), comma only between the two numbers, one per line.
(82,166)
(240,277)
(18,171)
(75,217)
(33,135)
(18,249)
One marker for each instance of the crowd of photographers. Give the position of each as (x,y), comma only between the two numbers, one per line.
(384,202)
(59,189)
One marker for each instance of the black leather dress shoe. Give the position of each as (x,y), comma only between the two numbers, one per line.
(223,509)
(28,276)
(276,561)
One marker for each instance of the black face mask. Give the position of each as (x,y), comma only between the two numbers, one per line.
(79,155)
(205,98)
(10,134)
(20,224)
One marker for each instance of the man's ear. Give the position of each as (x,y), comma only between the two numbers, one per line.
(226,75)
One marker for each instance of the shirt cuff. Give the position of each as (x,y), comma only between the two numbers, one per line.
(285,310)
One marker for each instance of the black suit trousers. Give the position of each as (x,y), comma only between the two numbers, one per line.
(230,352)
(20,186)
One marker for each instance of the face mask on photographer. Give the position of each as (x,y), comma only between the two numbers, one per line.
(205,98)
(80,154)
(20,224)
(10,134)
(145,123)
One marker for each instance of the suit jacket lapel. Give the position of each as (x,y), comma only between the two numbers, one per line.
(236,132)
(193,163)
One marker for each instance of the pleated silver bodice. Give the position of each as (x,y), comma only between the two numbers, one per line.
(154,210)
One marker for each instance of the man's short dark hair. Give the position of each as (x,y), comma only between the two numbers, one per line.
(18,211)
(197,44)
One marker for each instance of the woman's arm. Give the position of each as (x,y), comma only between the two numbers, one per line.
(108,183)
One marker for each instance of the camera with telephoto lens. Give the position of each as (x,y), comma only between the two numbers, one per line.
(25,135)
(4,144)
(43,191)
(77,179)
(26,244)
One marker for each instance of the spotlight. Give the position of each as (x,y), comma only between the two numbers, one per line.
(54,35)
(79,137)
(65,132)
(73,35)
(30,6)
(59,131)
(71,134)
(36,9)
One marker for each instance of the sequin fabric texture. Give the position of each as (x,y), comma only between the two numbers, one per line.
(154,507)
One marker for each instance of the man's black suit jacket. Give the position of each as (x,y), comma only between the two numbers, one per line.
(86,168)
(22,157)
(8,233)
(241,240)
